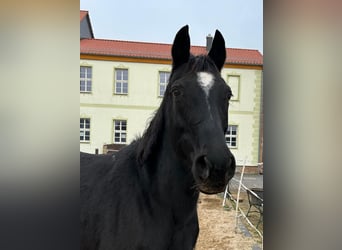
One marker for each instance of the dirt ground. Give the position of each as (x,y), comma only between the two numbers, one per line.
(217,227)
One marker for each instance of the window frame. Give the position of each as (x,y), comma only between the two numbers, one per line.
(121,81)
(121,131)
(88,81)
(229,136)
(236,96)
(84,129)
(164,84)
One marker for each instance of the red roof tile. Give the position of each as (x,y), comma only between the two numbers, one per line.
(160,51)
(83,13)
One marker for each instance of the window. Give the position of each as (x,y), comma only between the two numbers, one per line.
(163,80)
(120,131)
(85,79)
(231,136)
(234,84)
(121,81)
(84,129)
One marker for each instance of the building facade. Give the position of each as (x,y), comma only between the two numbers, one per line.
(122,84)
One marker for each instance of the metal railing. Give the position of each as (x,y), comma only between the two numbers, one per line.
(238,211)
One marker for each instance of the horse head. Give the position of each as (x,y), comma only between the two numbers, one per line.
(197,105)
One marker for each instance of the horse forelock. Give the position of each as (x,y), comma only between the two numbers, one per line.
(202,63)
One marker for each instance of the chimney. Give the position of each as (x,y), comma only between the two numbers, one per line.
(209,42)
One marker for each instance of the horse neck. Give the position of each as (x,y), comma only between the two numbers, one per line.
(162,167)
(167,178)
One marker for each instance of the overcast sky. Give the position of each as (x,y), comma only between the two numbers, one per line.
(240,22)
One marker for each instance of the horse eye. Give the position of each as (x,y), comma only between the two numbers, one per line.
(176,92)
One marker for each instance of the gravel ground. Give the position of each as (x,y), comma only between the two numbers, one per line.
(217,227)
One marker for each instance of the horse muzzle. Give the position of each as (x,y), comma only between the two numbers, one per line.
(212,176)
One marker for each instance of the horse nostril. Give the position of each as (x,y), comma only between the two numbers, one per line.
(232,162)
(230,167)
(202,167)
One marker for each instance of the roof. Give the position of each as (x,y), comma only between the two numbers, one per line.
(83,13)
(85,24)
(160,51)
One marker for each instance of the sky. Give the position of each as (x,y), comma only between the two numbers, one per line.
(240,22)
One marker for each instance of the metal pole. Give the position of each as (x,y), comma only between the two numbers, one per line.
(238,195)
(225,195)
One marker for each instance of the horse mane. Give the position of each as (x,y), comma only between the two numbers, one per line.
(152,136)
(149,140)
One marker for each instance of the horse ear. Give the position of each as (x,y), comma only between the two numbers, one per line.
(181,47)
(217,52)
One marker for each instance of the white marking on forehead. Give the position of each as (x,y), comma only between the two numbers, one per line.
(206,81)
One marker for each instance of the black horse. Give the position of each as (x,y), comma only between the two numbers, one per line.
(145,196)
